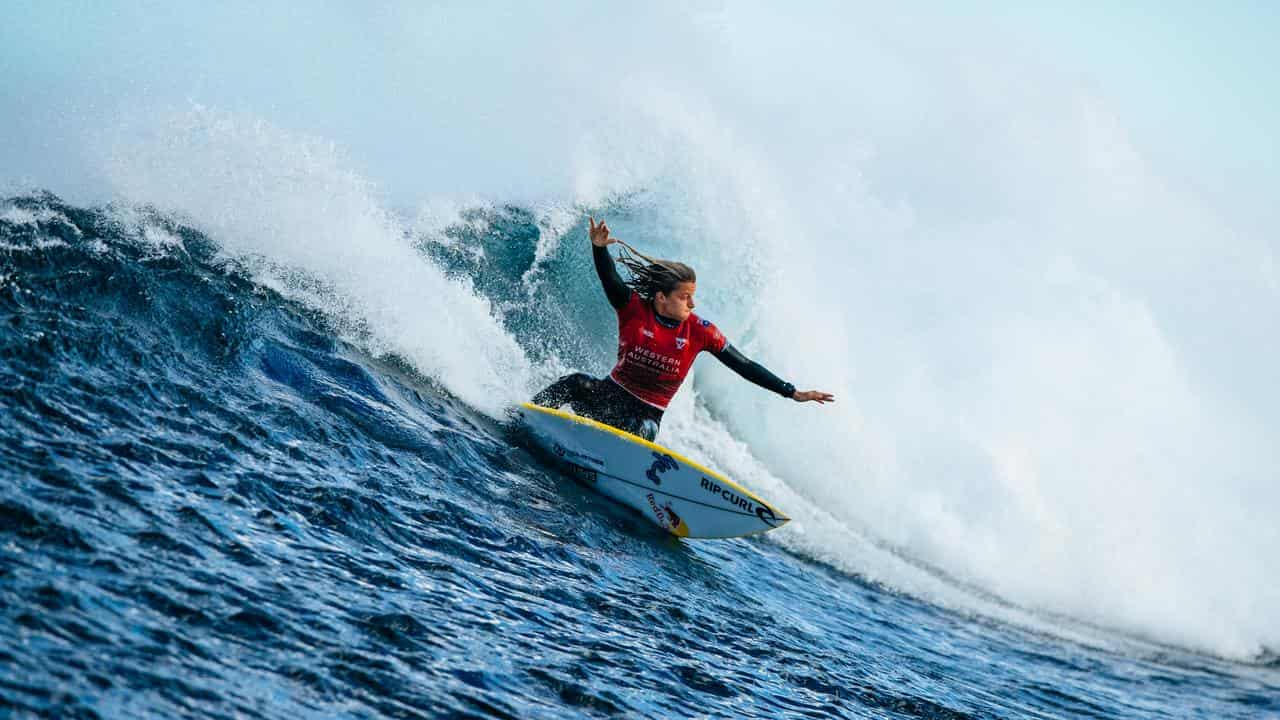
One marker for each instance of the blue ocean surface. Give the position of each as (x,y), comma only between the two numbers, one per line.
(215,503)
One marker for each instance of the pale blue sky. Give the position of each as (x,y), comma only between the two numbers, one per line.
(1194,83)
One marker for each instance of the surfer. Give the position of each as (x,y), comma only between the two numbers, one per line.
(659,336)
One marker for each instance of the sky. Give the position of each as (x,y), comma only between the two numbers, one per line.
(1194,82)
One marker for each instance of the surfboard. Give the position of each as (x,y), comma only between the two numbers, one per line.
(673,492)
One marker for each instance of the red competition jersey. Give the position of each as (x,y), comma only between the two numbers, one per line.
(654,359)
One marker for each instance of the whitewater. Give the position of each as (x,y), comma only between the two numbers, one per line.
(1047,488)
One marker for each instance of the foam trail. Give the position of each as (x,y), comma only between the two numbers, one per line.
(288,203)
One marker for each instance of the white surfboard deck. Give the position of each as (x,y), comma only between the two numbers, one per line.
(675,493)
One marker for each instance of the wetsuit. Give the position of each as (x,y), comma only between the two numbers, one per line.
(655,354)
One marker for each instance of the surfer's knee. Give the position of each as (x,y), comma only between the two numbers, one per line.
(573,386)
(581,382)
(579,388)
(648,429)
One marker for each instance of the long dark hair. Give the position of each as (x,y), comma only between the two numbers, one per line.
(651,276)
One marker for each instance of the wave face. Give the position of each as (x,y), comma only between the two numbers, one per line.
(1052,350)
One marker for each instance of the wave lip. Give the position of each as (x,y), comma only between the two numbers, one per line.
(313,231)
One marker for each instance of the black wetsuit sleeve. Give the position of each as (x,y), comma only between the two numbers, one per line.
(754,371)
(616,290)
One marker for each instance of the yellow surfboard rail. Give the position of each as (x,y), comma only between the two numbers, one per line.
(658,448)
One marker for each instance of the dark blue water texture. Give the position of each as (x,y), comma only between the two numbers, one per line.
(211,507)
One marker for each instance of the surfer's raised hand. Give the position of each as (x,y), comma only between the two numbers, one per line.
(600,234)
(815,395)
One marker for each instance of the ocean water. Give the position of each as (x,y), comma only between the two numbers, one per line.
(271,279)
(216,503)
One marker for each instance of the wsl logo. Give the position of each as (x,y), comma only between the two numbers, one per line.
(661,464)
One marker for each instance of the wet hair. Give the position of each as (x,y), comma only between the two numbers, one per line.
(650,276)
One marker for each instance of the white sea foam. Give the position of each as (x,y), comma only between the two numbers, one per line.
(285,204)
(1040,397)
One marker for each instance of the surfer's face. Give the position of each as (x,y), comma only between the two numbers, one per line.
(678,304)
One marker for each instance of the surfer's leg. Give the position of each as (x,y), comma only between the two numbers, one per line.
(570,389)
(645,427)
(621,409)
(588,396)
(648,429)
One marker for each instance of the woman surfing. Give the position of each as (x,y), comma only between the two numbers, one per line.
(659,336)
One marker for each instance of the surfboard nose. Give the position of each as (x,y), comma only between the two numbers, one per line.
(771,516)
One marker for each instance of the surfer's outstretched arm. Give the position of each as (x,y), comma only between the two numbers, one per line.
(758,374)
(614,288)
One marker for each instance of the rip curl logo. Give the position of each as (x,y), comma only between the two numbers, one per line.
(681,342)
(763,512)
(766,516)
(662,463)
(646,332)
